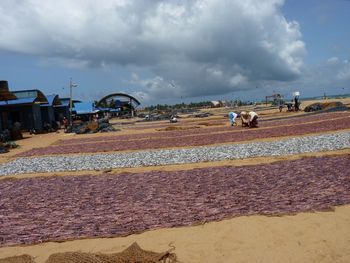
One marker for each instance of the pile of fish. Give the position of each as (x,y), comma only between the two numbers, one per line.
(326,142)
(195,140)
(203,115)
(184,132)
(7,137)
(40,209)
(101,125)
(326,106)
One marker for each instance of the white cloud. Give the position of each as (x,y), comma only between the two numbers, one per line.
(158,86)
(331,76)
(344,73)
(237,80)
(333,60)
(204,46)
(70,63)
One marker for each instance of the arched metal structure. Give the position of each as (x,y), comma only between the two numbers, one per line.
(54,100)
(122,97)
(33,93)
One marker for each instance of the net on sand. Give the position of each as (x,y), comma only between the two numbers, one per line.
(133,254)
(18,259)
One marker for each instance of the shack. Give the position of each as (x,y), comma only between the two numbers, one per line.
(26,109)
(5,95)
(62,110)
(84,110)
(48,110)
(21,106)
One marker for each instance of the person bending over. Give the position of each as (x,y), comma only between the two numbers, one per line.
(232,117)
(249,119)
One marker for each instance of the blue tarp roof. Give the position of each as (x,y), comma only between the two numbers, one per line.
(84,108)
(65,102)
(103,109)
(21,94)
(18,101)
(51,100)
(108,109)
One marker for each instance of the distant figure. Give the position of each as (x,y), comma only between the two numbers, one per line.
(232,117)
(65,123)
(296,103)
(244,118)
(173,119)
(249,119)
(280,106)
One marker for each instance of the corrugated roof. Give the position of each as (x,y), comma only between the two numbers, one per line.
(65,101)
(18,101)
(84,108)
(53,100)
(103,109)
(30,94)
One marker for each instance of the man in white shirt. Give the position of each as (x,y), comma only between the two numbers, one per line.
(232,117)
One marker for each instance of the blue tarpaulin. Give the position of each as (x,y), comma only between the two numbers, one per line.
(84,108)
(17,101)
(52,99)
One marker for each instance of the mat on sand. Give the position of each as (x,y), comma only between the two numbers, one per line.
(133,254)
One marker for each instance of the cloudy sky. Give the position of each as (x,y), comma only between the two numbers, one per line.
(169,51)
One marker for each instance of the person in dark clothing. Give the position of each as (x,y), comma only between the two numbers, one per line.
(65,124)
(296,103)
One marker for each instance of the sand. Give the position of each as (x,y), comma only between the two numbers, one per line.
(305,237)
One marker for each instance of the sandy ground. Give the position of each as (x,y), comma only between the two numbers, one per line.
(306,237)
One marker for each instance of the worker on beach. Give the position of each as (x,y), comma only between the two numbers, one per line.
(173,119)
(65,124)
(296,103)
(249,119)
(232,117)
(280,106)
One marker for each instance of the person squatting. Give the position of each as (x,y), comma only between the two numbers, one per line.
(249,119)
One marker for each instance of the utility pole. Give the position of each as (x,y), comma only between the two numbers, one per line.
(71,85)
